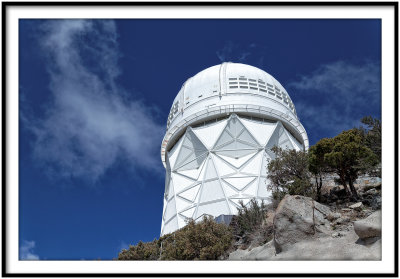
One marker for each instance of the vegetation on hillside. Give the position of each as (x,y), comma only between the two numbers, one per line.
(349,154)
(205,240)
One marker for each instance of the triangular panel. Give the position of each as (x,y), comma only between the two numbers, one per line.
(182,204)
(224,138)
(239,182)
(245,136)
(229,191)
(297,145)
(171,190)
(252,167)
(173,153)
(251,189)
(214,209)
(284,141)
(222,167)
(171,210)
(191,193)
(209,134)
(211,191)
(261,131)
(274,140)
(193,173)
(237,163)
(181,182)
(188,213)
(210,173)
(192,152)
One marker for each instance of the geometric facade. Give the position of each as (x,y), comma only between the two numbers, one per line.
(219,159)
(212,167)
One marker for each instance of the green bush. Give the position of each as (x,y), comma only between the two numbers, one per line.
(141,251)
(248,226)
(205,240)
(288,174)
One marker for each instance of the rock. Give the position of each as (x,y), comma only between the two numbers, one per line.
(369,227)
(298,218)
(344,247)
(372,191)
(335,234)
(333,216)
(356,206)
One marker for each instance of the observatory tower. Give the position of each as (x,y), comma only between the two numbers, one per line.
(220,131)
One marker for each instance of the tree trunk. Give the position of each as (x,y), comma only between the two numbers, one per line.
(353,189)
(343,180)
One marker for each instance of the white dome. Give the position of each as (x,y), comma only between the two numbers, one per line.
(230,88)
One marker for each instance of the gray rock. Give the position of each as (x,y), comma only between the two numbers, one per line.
(298,218)
(370,226)
(342,248)
(333,216)
(356,206)
(372,191)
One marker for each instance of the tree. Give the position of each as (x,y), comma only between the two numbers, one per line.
(371,133)
(348,157)
(317,163)
(288,173)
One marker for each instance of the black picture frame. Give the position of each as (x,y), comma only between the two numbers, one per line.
(6,153)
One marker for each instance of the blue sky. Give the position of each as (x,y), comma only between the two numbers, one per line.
(95,96)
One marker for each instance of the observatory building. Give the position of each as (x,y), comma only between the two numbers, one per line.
(220,131)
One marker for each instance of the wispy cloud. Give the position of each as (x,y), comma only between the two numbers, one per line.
(26,251)
(91,121)
(235,52)
(335,96)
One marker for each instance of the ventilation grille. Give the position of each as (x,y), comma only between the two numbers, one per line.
(254,85)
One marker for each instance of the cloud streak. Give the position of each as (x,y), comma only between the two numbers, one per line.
(26,251)
(91,122)
(336,96)
(235,52)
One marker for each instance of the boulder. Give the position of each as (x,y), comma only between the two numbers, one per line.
(299,218)
(356,206)
(369,227)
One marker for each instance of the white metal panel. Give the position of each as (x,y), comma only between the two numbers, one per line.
(210,133)
(222,167)
(239,182)
(191,193)
(262,131)
(211,191)
(181,182)
(252,167)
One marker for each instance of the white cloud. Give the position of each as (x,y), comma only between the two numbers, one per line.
(235,52)
(26,251)
(91,122)
(335,96)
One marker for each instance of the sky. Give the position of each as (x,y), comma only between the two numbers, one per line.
(94,97)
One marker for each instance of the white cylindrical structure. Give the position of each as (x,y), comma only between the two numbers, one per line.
(220,131)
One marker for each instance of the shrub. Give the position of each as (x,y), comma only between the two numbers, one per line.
(248,225)
(288,174)
(142,251)
(205,240)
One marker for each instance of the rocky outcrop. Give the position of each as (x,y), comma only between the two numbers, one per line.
(343,248)
(299,218)
(307,230)
(369,227)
